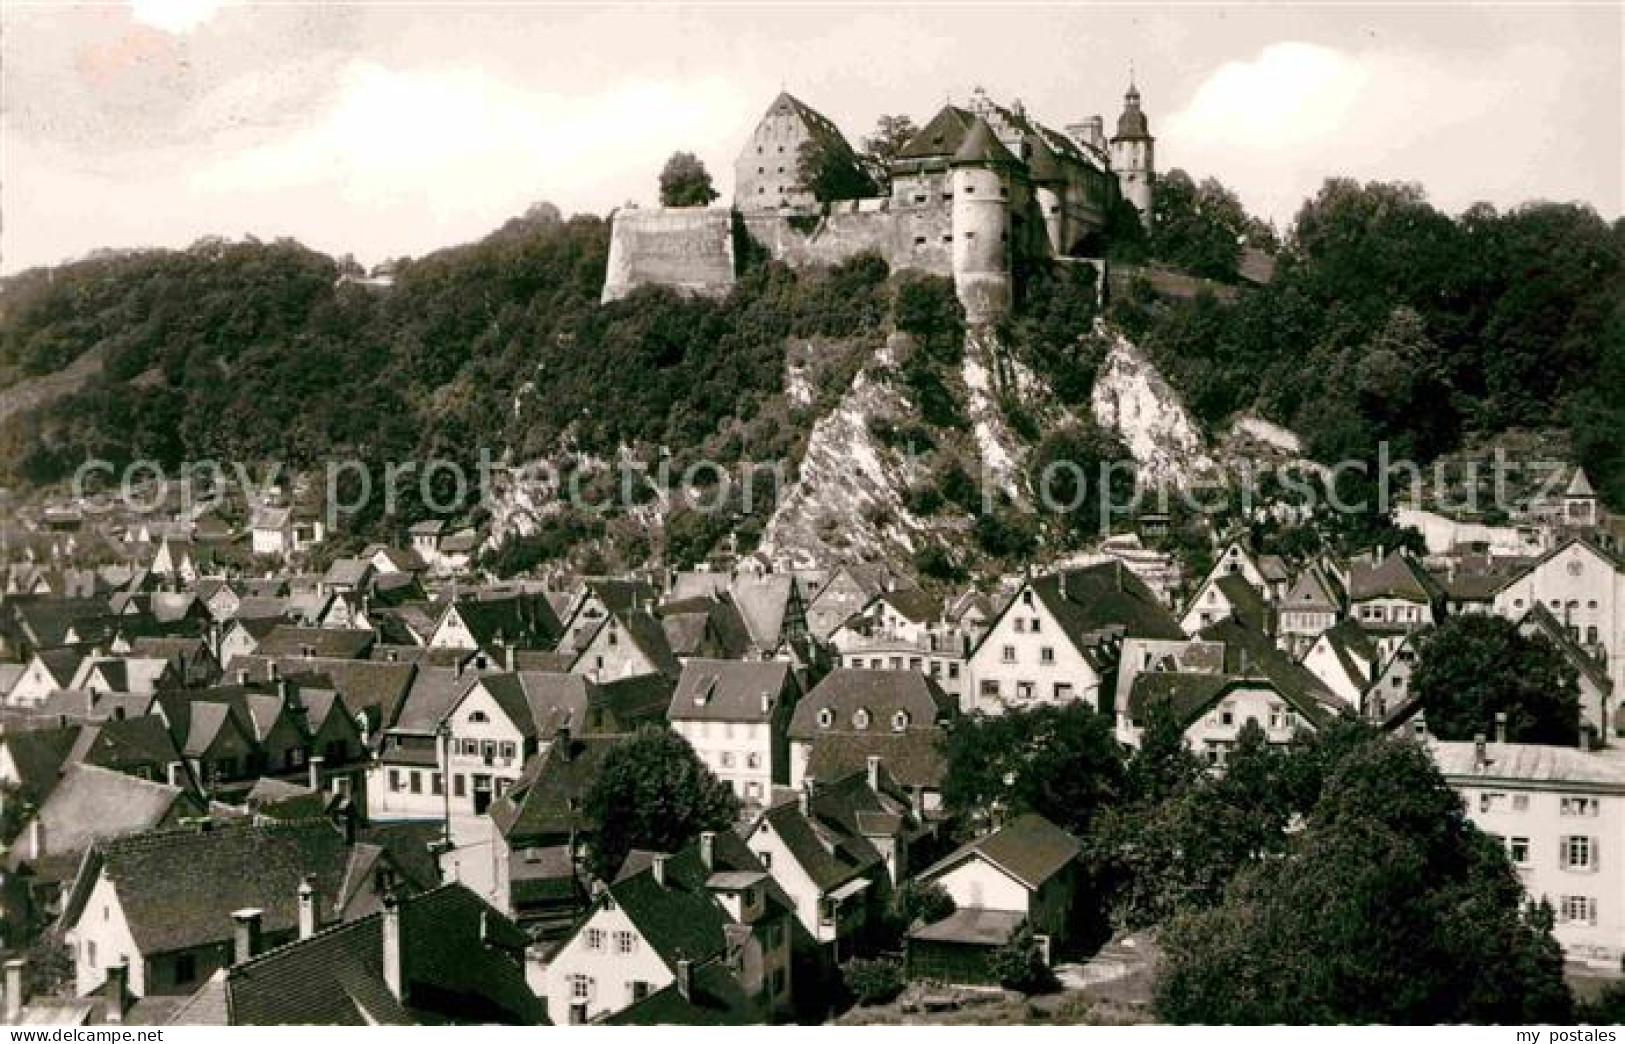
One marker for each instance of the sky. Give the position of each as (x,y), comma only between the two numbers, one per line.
(391,129)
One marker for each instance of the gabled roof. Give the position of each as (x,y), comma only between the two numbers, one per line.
(92,804)
(128,744)
(1579,485)
(981,147)
(375,687)
(1251,654)
(940,137)
(1246,601)
(460,960)
(912,758)
(341,643)
(547,798)
(1030,849)
(1397,576)
(731,690)
(351,572)
(38,755)
(1540,618)
(764,602)
(1091,601)
(830,839)
(1311,591)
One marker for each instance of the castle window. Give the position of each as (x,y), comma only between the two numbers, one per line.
(919,241)
(970,235)
(919,198)
(948,239)
(761,170)
(970,190)
(781,170)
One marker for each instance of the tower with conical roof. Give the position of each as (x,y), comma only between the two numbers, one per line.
(981,172)
(1133,154)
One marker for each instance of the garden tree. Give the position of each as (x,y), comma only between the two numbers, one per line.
(1164,763)
(1082,475)
(653,793)
(1198,228)
(1060,761)
(1471,668)
(875,980)
(924,901)
(684,182)
(1388,907)
(831,171)
(881,148)
(1020,965)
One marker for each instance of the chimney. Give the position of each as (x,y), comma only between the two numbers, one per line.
(1481,757)
(659,868)
(246,938)
(316,761)
(272,672)
(874,772)
(685,977)
(1500,726)
(36,837)
(561,740)
(392,656)
(708,849)
(767,703)
(242,676)
(118,990)
(393,956)
(806,796)
(310,918)
(16,989)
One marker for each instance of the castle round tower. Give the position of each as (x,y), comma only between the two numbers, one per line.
(981,223)
(1133,155)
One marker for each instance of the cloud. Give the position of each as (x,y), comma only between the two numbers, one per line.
(174,16)
(1275,126)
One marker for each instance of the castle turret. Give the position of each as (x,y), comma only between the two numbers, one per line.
(1133,154)
(981,222)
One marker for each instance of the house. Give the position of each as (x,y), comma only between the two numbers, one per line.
(284,531)
(46,672)
(287,640)
(1390,687)
(348,576)
(493,623)
(852,716)
(627,645)
(1393,593)
(849,590)
(164,903)
(1344,658)
(490,731)
(1227,596)
(1059,639)
(193,659)
(1310,608)
(837,849)
(126,674)
(178,561)
(1025,871)
(541,826)
(736,716)
(706,626)
(1596,688)
(31,762)
(774,612)
(440,957)
(242,637)
(1560,813)
(670,922)
(1583,587)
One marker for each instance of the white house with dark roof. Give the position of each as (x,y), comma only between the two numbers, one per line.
(853,715)
(1560,813)
(736,716)
(1583,587)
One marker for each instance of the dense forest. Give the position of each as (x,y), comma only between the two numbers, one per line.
(1387,320)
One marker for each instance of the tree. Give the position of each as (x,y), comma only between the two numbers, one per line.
(1388,907)
(684,182)
(926,902)
(1164,763)
(1082,474)
(1471,668)
(1061,762)
(827,168)
(653,793)
(1020,965)
(1198,228)
(881,148)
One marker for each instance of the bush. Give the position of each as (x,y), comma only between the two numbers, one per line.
(924,901)
(1019,964)
(873,981)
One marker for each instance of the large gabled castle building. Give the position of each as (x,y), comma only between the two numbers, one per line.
(981,192)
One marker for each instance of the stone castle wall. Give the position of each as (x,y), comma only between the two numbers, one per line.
(915,238)
(690,249)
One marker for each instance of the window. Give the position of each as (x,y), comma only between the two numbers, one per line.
(509,751)
(1578,806)
(1518,849)
(640,990)
(727,759)
(478,717)
(1227,714)
(1489,802)
(1578,909)
(1063,692)
(860,718)
(826,717)
(1034,626)
(580,987)
(471,748)
(1520,802)
(437,784)
(766,858)
(899,721)
(753,760)
(626,942)
(1046,655)
(186,968)
(1008,654)
(416,781)
(953,671)
(1576,853)
(990,688)
(595,939)
(459,785)
(1024,690)
(1021,625)
(395,780)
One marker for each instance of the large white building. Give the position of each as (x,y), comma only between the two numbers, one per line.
(1560,812)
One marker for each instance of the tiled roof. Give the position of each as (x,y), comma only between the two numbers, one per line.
(92,804)
(1531,763)
(847,690)
(913,757)
(982,147)
(731,690)
(339,643)
(1396,576)
(38,755)
(547,798)
(1089,601)
(1030,848)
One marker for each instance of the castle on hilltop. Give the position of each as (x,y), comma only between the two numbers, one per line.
(979,194)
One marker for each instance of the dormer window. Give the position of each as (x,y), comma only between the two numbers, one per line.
(861,718)
(826,717)
(478,717)
(899,721)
